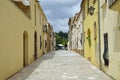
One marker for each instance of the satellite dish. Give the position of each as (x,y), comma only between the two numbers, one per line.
(26,2)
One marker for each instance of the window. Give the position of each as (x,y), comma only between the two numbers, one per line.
(105,1)
(89,37)
(94,1)
(40,42)
(45,44)
(95,31)
(88,3)
(83,13)
(81,40)
(104,13)
(39,18)
(77,42)
(105,53)
(35,13)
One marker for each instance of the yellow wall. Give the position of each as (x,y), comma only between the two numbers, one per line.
(91,52)
(39,26)
(49,38)
(13,24)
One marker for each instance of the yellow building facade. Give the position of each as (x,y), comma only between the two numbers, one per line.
(90,23)
(49,38)
(21,32)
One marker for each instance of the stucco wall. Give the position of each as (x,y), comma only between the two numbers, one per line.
(110,24)
(91,48)
(13,24)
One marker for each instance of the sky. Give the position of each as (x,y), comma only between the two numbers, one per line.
(58,12)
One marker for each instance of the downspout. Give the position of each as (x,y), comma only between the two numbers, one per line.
(99,34)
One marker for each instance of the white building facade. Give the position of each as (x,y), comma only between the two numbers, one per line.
(110,39)
(76,33)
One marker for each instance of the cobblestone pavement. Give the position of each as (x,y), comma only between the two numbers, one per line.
(60,65)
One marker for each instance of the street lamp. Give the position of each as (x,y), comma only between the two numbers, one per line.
(91,10)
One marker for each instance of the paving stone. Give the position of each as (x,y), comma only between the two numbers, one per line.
(60,65)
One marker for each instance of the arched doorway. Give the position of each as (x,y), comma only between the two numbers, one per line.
(35,45)
(25,49)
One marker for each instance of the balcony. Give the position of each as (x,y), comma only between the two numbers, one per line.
(24,8)
(45,28)
(114,5)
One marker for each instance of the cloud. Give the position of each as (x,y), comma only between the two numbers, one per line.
(60,25)
(58,3)
(59,11)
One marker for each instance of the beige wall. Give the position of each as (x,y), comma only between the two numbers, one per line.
(49,38)
(13,24)
(110,23)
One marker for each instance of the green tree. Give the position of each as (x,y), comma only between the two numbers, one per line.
(62,38)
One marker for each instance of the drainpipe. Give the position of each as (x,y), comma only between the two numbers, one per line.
(99,34)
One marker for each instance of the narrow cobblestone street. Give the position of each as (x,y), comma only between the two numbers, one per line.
(60,65)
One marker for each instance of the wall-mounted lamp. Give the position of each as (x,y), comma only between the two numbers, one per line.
(91,10)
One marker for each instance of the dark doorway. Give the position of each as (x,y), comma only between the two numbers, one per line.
(25,49)
(35,45)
